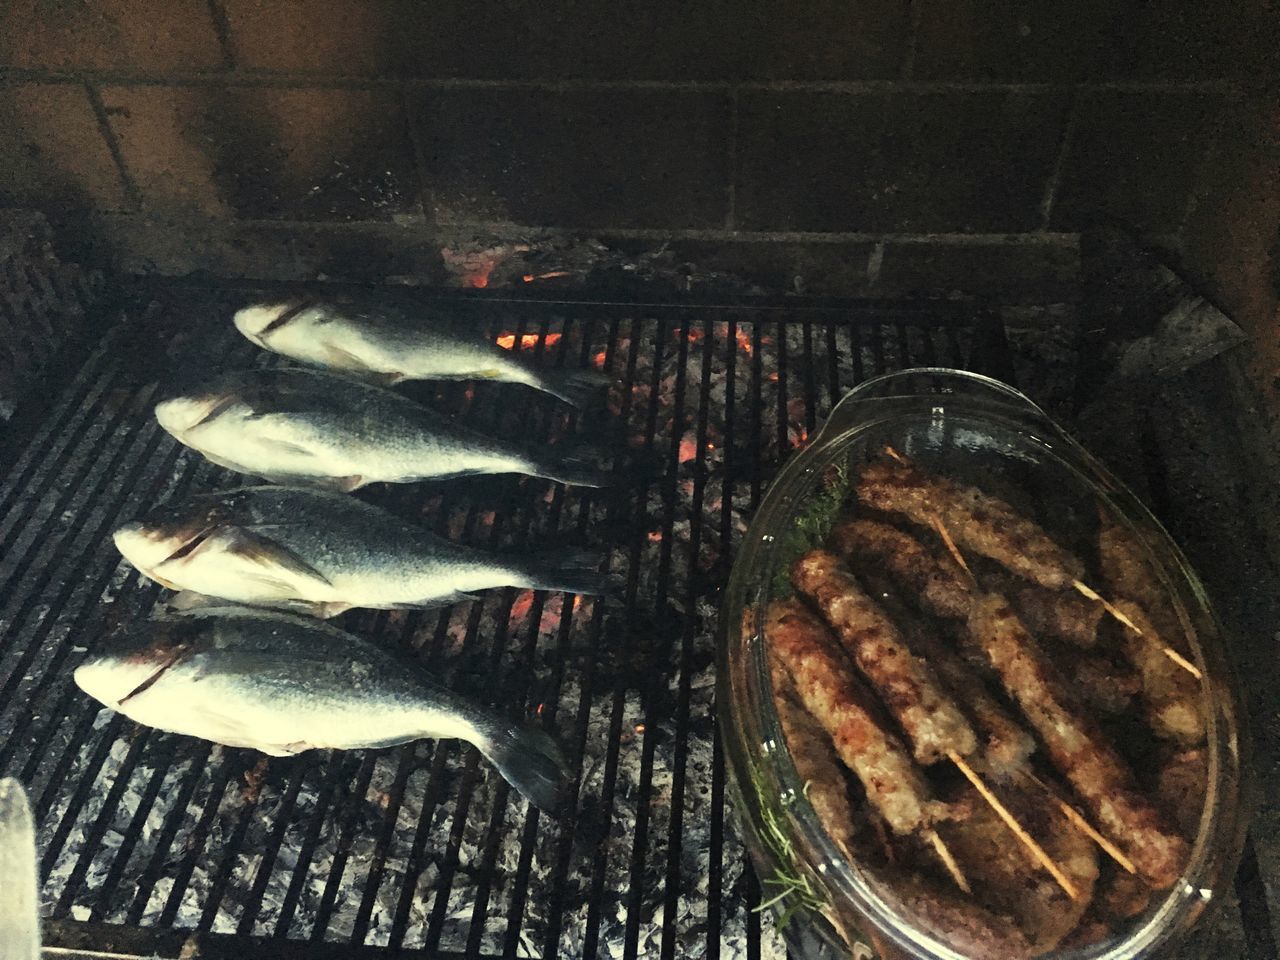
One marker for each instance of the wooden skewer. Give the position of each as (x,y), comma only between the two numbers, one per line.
(948,860)
(1083,825)
(1169,652)
(1183,662)
(1107,605)
(951,547)
(1011,822)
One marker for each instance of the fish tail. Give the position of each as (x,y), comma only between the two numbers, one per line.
(577,387)
(532,762)
(565,571)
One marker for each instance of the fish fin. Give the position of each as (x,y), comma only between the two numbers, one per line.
(444,600)
(577,471)
(244,543)
(292,447)
(565,570)
(334,484)
(346,360)
(492,373)
(576,387)
(189,600)
(532,762)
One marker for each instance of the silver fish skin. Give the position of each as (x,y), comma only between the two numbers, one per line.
(388,343)
(325,552)
(311,427)
(281,684)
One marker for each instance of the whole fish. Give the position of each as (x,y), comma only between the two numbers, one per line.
(387,343)
(308,426)
(324,553)
(282,683)
(19,878)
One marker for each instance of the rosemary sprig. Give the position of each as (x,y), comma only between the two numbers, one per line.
(812,526)
(793,888)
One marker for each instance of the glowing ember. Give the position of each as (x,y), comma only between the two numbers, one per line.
(655,536)
(688,450)
(479,280)
(521,605)
(549,275)
(508,340)
(639,728)
(744,341)
(600,358)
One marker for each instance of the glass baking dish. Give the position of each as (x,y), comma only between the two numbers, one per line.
(984,433)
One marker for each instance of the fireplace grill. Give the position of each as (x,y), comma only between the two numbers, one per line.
(158,844)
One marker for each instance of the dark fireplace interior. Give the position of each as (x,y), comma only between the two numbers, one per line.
(737,212)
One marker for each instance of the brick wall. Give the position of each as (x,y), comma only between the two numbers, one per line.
(882,145)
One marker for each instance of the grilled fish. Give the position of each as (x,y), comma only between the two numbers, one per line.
(307,426)
(282,684)
(387,344)
(324,553)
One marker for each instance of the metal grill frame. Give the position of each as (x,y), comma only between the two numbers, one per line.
(83,417)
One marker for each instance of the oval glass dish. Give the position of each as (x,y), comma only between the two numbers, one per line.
(1130,721)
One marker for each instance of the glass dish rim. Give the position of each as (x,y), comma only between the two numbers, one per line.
(1217,845)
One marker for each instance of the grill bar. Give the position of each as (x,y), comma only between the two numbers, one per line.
(148,838)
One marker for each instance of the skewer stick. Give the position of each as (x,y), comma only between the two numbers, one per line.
(1107,605)
(1083,825)
(948,860)
(1183,662)
(951,547)
(895,454)
(1011,822)
(1169,652)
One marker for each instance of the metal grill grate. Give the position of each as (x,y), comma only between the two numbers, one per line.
(149,839)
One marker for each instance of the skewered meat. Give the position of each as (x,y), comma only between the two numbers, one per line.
(1104,687)
(1075,746)
(1006,746)
(977,520)
(814,756)
(931,720)
(1171,694)
(940,583)
(1008,881)
(1121,897)
(828,688)
(1061,614)
(1182,783)
(946,590)
(961,924)
(1128,573)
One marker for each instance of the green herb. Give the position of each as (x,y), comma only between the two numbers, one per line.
(812,527)
(792,888)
